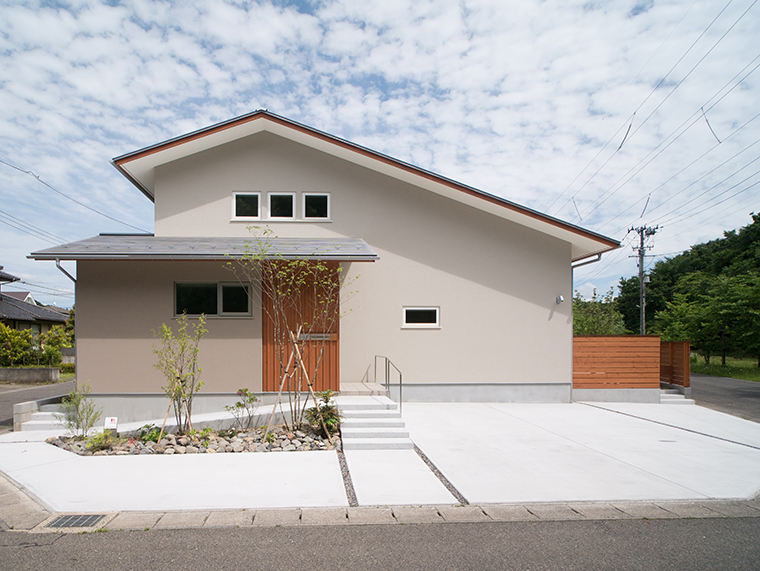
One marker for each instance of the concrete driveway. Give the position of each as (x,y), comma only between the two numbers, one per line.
(491,453)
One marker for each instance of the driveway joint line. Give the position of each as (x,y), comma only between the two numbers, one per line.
(671,426)
(444,480)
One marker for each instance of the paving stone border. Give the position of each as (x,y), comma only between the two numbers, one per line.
(401,515)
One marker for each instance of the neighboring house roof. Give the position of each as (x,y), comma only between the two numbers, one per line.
(5,277)
(25,296)
(16,310)
(149,247)
(139,167)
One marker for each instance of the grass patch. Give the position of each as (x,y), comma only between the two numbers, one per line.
(67,377)
(745,369)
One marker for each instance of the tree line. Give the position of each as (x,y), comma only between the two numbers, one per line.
(708,295)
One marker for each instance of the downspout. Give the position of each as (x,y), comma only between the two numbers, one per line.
(572,267)
(73,279)
(67,274)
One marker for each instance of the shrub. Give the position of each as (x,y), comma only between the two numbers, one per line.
(327,413)
(15,346)
(79,411)
(244,409)
(68,368)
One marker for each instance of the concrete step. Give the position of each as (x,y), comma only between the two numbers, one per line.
(372,413)
(41,425)
(374,403)
(372,423)
(51,408)
(674,398)
(378,444)
(46,416)
(353,433)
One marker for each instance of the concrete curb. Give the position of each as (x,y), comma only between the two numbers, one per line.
(403,515)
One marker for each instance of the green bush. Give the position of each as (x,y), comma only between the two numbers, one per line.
(15,346)
(67,368)
(327,412)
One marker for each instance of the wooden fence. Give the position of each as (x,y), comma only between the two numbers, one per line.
(616,362)
(675,367)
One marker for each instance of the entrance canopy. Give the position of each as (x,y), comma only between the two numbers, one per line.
(150,247)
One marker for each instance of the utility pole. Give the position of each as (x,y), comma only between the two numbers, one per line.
(644,232)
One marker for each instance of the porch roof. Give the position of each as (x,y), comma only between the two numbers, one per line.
(150,247)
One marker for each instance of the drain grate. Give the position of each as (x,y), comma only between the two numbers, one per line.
(82,520)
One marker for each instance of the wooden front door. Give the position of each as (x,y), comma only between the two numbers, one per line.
(315,309)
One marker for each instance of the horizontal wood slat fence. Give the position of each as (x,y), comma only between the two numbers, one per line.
(616,362)
(675,367)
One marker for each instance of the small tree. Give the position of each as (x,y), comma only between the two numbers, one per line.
(301,297)
(178,361)
(79,412)
(597,316)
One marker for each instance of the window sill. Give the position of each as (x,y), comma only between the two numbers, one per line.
(418,326)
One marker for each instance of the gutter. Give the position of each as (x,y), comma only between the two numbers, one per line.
(60,267)
(587,262)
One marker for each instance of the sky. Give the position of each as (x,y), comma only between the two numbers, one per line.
(610,115)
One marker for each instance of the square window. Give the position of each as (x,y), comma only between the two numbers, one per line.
(316,206)
(196,298)
(235,299)
(282,206)
(421,318)
(246,205)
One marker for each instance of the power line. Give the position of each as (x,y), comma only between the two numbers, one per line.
(44,234)
(585,213)
(608,114)
(30,173)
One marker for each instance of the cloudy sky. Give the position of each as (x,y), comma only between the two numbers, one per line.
(607,114)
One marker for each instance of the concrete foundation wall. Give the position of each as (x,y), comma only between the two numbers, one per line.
(617,395)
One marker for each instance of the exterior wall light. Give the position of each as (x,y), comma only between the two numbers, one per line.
(560,299)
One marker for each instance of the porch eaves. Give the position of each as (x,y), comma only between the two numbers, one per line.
(149,247)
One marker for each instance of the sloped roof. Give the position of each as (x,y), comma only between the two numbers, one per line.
(139,167)
(19,295)
(16,310)
(149,247)
(5,277)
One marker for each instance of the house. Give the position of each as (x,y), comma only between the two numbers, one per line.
(18,310)
(25,296)
(467,293)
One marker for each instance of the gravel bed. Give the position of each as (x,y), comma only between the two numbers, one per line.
(241,441)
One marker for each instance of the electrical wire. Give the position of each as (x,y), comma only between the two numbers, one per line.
(44,234)
(585,213)
(30,173)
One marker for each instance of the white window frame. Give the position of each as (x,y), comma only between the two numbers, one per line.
(219,299)
(315,218)
(436,325)
(246,193)
(269,205)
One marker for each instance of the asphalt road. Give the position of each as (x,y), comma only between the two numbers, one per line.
(620,545)
(732,396)
(13,394)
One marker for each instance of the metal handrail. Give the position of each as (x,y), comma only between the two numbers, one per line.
(387,384)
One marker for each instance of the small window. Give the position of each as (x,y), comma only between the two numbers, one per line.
(235,299)
(316,206)
(208,298)
(421,318)
(246,205)
(196,298)
(282,206)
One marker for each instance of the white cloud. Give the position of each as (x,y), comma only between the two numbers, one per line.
(516,98)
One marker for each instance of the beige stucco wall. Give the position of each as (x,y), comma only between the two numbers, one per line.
(495,281)
(121,303)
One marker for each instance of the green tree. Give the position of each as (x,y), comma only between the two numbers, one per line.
(16,346)
(597,316)
(178,361)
